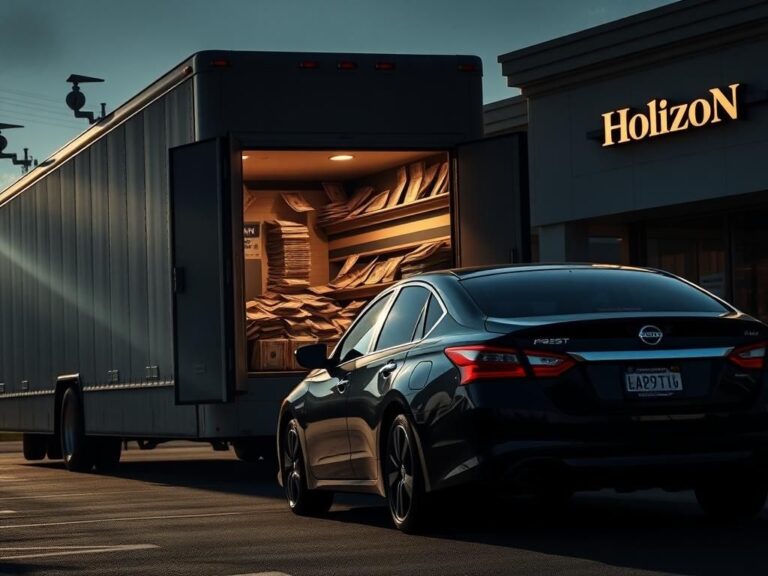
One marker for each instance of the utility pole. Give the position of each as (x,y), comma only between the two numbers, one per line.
(26,162)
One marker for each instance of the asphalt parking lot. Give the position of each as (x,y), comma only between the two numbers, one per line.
(187,510)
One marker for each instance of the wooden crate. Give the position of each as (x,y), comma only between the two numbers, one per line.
(279,354)
(271,355)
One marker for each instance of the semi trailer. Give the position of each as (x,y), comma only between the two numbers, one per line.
(158,272)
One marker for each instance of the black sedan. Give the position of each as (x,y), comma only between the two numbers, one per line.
(545,379)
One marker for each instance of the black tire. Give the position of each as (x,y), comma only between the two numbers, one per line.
(53,449)
(106,452)
(301,500)
(403,480)
(733,498)
(34,446)
(75,448)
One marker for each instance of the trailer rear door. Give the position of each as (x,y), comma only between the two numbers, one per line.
(491,202)
(202,273)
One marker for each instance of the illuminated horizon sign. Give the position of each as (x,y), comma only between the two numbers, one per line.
(659,118)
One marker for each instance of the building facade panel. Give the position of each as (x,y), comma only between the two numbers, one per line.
(647,142)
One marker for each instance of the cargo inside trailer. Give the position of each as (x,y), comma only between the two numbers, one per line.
(325,231)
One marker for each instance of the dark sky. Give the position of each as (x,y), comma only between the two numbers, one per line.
(130,43)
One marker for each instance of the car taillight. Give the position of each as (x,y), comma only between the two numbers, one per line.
(487,362)
(548,364)
(751,357)
(483,362)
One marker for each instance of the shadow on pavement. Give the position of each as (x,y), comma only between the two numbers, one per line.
(25,568)
(644,531)
(635,532)
(226,476)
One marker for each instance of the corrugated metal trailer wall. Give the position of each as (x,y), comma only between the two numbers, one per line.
(85,282)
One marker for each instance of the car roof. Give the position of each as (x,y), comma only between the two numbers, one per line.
(479,271)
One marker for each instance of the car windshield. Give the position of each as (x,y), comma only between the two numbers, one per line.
(584,291)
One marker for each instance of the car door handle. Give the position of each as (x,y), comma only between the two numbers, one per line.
(341,386)
(388,368)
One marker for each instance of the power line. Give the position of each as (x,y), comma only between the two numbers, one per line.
(46,107)
(11,111)
(38,120)
(10,115)
(61,116)
(33,95)
(24,117)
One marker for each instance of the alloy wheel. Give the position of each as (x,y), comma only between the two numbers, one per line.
(400,473)
(292,467)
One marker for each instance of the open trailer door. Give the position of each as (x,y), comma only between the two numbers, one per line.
(201,220)
(491,202)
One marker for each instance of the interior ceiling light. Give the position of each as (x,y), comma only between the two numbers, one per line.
(342,157)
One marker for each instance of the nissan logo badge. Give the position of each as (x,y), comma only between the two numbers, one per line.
(651,335)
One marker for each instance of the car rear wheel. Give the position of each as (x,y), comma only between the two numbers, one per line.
(301,500)
(402,475)
(734,497)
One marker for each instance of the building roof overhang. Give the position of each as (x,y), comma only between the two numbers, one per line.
(674,30)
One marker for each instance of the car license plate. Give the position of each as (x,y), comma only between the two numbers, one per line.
(653,382)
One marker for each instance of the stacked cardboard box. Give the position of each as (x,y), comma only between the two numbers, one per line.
(277,324)
(288,256)
(416,182)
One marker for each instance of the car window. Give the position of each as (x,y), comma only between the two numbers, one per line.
(434,313)
(401,322)
(585,291)
(358,339)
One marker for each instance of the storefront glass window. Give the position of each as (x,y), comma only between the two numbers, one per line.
(608,244)
(750,265)
(694,249)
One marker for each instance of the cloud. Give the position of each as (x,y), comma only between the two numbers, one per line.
(29,36)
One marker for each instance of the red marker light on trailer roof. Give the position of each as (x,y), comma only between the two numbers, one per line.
(385,65)
(309,65)
(220,63)
(469,68)
(346,65)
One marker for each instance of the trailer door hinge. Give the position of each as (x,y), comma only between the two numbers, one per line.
(25,385)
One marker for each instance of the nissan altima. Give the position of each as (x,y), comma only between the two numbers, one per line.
(543,379)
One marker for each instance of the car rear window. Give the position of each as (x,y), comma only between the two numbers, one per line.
(584,291)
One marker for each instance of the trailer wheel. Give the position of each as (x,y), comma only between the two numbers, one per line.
(107,450)
(75,449)
(256,450)
(34,446)
(53,447)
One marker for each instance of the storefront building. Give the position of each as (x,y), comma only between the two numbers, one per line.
(648,144)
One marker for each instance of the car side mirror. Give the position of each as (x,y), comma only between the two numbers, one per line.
(313,356)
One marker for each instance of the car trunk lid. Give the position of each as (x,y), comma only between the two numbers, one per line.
(665,363)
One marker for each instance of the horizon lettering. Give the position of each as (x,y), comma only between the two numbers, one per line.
(621,126)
